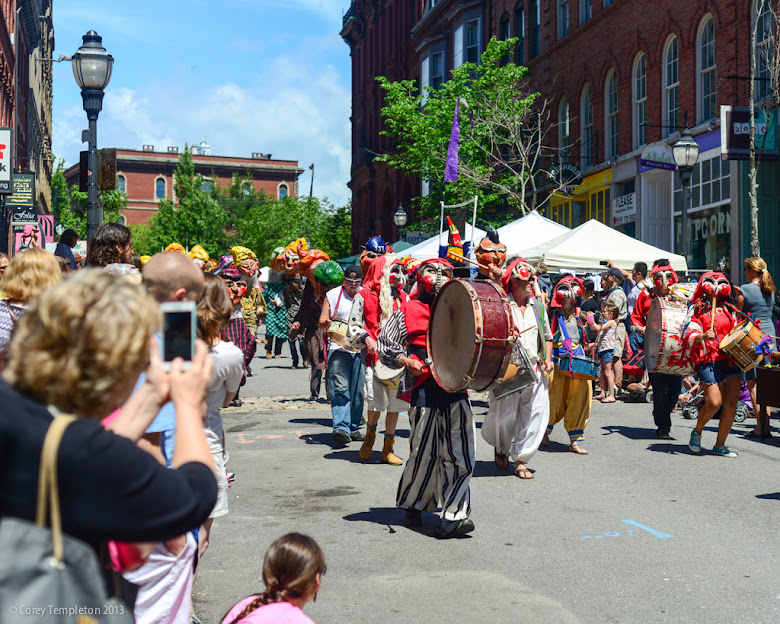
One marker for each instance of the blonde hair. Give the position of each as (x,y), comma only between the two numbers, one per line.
(80,341)
(764,278)
(29,273)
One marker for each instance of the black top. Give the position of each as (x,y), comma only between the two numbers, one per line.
(591,305)
(63,251)
(109,488)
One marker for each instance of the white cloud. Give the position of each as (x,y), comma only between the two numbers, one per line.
(289,108)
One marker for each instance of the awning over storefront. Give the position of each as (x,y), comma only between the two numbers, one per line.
(595,182)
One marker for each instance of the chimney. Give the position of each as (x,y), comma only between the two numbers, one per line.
(172,149)
(148,148)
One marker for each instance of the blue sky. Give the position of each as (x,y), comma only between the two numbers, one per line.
(244,75)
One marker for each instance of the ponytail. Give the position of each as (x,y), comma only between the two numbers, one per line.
(758,265)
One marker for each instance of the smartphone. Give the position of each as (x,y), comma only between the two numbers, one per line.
(603,263)
(179,331)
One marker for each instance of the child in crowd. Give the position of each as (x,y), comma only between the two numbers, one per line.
(605,347)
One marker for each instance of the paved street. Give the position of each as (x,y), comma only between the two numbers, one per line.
(637,531)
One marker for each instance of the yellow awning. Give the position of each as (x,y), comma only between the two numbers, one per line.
(593,182)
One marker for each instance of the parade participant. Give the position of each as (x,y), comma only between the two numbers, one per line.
(374,247)
(666,387)
(441,437)
(570,397)
(490,251)
(755,298)
(307,320)
(605,349)
(176,247)
(199,256)
(292,571)
(276,317)
(382,294)
(515,424)
(294,284)
(614,292)
(711,319)
(253,303)
(236,330)
(345,367)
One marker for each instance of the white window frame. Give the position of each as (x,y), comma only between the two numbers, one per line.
(279,190)
(670,86)
(639,97)
(124,179)
(586,134)
(165,188)
(563,18)
(611,127)
(765,42)
(564,129)
(704,110)
(458,51)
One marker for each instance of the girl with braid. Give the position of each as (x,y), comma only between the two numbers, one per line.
(292,570)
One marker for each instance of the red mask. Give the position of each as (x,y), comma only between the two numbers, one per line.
(430,278)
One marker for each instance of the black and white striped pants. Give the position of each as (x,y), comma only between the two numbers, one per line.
(441,461)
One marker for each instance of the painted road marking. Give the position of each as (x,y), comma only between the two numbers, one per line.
(243,438)
(653,532)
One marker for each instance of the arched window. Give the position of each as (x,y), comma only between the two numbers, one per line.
(563,129)
(639,92)
(765,45)
(611,116)
(121,184)
(159,188)
(283,190)
(671,87)
(586,117)
(707,70)
(520,34)
(207,185)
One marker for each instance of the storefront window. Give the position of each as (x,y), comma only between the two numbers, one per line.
(709,236)
(577,211)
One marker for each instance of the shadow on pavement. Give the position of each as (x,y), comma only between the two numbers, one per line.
(347,454)
(394,517)
(632,433)
(554,447)
(489,469)
(325,422)
(671,449)
(772,496)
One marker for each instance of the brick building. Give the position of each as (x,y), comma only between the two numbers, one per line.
(621,76)
(147,176)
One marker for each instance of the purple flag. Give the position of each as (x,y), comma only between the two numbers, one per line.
(451,169)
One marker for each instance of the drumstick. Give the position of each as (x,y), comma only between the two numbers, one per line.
(458,258)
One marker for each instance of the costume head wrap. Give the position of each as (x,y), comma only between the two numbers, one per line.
(568,286)
(662,274)
(176,247)
(490,251)
(329,274)
(430,276)
(199,255)
(712,283)
(309,260)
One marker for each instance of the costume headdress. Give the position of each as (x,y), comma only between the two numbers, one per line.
(568,286)
(329,273)
(712,283)
(663,272)
(199,255)
(176,247)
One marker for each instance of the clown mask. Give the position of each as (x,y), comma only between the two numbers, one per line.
(488,253)
(566,293)
(249,266)
(717,285)
(433,276)
(397,277)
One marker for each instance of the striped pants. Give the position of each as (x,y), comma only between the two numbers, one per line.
(441,461)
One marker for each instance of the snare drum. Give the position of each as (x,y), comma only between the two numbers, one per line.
(665,350)
(740,344)
(470,335)
(579,366)
(390,377)
(337,333)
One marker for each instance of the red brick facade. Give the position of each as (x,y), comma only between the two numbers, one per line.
(140,172)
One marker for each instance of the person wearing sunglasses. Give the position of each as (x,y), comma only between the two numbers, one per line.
(373,249)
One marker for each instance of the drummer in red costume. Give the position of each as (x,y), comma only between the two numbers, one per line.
(441,436)
(382,293)
(570,397)
(712,318)
(515,424)
(666,387)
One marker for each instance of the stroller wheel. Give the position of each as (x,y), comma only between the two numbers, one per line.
(649,396)
(741,413)
(690,412)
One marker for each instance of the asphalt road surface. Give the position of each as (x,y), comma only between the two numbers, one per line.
(639,530)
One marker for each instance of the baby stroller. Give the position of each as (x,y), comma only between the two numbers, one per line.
(633,369)
(690,410)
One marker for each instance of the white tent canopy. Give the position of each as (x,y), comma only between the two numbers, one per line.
(529,231)
(430,248)
(583,247)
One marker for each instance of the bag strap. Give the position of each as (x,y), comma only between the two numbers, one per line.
(48,486)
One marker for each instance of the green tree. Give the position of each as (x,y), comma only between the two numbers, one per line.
(500,156)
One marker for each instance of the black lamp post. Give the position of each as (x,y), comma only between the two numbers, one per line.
(399,218)
(686,153)
(92,67)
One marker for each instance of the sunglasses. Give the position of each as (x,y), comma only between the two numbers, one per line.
(353,281)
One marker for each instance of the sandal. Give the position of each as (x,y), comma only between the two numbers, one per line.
(522,472)
(574,447)
(755,435)
(502,461)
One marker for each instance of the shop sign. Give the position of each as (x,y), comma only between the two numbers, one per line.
(22,202)
(567,175)
(6,161)
(624,209)
(414,237)
(735,134)
(658,155)
(42,237)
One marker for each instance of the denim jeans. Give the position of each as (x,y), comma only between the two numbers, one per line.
(347,378)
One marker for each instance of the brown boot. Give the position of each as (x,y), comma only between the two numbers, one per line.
(368,445)
(388,457)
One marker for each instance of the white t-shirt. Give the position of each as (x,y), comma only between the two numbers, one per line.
(226,377)
(340,312)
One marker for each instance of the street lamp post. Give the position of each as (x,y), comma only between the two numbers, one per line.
(399,218)
(92,67)
(686,153)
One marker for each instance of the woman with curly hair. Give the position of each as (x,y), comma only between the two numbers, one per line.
(292,570)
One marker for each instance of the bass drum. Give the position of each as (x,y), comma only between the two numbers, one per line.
(470,335)
(665,351)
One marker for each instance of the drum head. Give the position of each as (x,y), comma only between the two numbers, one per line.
(654,326)
(452,335)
